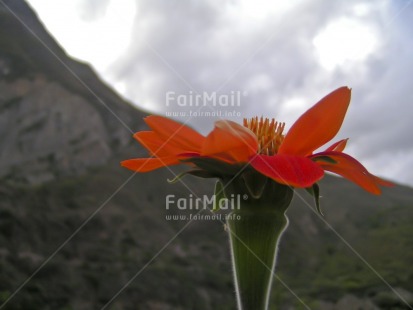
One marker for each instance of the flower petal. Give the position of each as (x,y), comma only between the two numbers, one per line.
(296,171)
(157,146)
(230,142)
(382,182)
(149,164)
(338,146)
(351,169)
(318,125)
(179,134)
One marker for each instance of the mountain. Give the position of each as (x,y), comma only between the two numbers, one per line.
(79,232)
(56,115)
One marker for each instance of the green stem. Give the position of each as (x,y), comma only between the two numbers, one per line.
(255,230)
(254,239)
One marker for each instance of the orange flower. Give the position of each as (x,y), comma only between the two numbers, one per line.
(260,144)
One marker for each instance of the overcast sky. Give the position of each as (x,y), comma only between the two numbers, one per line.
(273,60)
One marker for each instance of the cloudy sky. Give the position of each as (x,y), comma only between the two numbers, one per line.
(260,58)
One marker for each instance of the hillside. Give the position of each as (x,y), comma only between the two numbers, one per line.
(193,272)
(79,232)
(55,113)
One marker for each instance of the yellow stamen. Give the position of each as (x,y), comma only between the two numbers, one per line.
(269,134)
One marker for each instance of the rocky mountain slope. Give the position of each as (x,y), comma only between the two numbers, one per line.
(79,232)
(89,243)
(56,116)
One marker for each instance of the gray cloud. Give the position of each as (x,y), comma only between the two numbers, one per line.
(92,9)
(205,46)
(201,47)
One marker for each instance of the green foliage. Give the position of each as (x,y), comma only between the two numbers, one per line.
(194,271)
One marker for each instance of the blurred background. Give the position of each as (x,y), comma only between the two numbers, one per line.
(77,78)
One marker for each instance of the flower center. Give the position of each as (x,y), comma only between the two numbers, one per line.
(269,134)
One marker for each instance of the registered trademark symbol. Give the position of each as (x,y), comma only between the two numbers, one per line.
(245,197)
